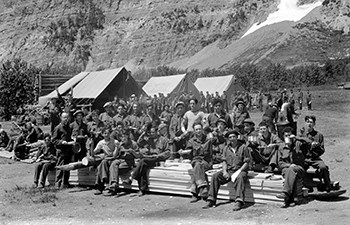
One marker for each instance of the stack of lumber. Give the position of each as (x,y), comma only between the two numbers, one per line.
(175,178)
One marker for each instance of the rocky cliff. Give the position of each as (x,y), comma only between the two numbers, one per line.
(100,34)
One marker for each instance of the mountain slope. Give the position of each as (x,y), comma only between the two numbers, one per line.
(101,34)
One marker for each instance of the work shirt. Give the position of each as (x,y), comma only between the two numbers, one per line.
(175,125)
(291,155)
(314,151)
(235,158)
(200,148)
(109,148)
(214,117)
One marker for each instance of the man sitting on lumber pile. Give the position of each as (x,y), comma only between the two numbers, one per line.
(199,150)
(292,164)
(110,150)
(235,165)
(158,150)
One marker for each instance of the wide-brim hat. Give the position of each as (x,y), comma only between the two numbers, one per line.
(250,121)
(222,121)
(107,104)
(179,103)
(77,112)
(232,132)
(240,102)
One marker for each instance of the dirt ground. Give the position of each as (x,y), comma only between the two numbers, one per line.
(21,205)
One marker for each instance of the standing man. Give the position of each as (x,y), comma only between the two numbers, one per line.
(107,116)
(236,158)
(308,100)
(300,99)
(175,130)
(80,134)
(219,113)
(192,116)
(62,138)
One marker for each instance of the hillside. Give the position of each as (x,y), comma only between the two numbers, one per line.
(101,34)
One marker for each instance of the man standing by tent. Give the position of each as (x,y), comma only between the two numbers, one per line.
(62,138)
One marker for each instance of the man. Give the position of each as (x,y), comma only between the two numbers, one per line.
(249,134)
(239,114)
(107,116)
(62,139)
(300,99)
(218,140)
(124,162)
(107,150)
(133,121)
(166,115)
(236,158)
(292,164)
(199,150)
(95,131)
(175,130)
(150,117)
(120,116)
(80,134)
(264,150)
(219,113)
(45,160)
(315,146)
(270,116)
(308,100)
(192,116)
(149,159)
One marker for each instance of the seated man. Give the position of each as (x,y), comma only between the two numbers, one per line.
(315,146)
(264,150)
(45,160)
(152,156)
(236,158)
(199,149)
(218,140)
(292,164)
(108,150)
(124,163)
(20,146)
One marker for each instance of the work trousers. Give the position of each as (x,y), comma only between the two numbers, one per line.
(269,159)
(293,180)
(63,158)
(141,172)
(108,172)
(43,167)
(199,178)
(323,170)
(219,179)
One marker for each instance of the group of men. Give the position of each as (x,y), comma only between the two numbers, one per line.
(128,140)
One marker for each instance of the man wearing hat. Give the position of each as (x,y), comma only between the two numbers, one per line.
(219,113)
(107,116)
(79,133)
(149,159)
(239,114)
(166,115)
(236,158)
(219,140)
(175,129)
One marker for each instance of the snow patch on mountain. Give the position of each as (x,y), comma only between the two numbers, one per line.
(288,10)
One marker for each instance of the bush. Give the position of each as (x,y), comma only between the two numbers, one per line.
(17,80)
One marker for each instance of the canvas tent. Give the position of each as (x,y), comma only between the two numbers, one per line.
(99,87)
(63,89)
(173,86)
(218,84)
